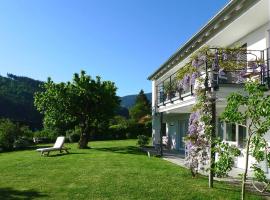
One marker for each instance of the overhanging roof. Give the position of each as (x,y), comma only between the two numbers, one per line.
(223,18)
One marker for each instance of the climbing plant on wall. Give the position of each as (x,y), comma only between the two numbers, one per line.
(200,140)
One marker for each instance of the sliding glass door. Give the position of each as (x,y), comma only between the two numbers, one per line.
(183,129)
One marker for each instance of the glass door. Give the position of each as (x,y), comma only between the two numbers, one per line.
(183,129)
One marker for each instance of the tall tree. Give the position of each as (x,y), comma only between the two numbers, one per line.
(141,108)
(83,102)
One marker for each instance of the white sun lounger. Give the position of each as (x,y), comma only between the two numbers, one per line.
(58,146)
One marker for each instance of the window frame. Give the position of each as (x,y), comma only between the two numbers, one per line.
(236,142)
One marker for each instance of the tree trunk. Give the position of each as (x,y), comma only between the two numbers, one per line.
(244,179)
(83,142)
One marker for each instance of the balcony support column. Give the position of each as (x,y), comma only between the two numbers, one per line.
(160,134)
(212,138)
(211,92)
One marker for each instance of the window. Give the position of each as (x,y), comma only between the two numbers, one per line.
(231,132)
(220,129)
(242,130)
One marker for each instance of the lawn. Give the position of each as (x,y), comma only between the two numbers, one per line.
(110,170)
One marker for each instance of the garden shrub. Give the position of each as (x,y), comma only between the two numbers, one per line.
(143,140)
(73,135)
(46,135)
(21,143)
(128,135)
(25,131)
(136,129)
(117,132)
(8,132)
(12,135)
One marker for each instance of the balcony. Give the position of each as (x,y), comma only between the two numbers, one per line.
(248,64)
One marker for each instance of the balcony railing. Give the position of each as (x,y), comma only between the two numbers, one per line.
(251,64)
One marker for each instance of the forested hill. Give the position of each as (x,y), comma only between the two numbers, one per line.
(129,100)
(16,100)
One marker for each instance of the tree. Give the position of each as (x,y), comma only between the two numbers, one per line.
(83,102)
(141,108)
(253,108)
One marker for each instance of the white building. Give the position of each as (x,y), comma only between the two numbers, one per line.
(242,22)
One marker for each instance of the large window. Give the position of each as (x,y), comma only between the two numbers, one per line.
(232,133)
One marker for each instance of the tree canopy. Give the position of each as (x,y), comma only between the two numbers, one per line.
(141,108)
(83,102)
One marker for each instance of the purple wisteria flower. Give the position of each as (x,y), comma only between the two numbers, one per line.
(224,56)
(239,57)
(186,82)
(215,65)
(192,129)
(180,85)
(195,63)
(189,145)
(240,79)
(193,123)
(202,58)
(253,66)
(221,72)
(194,117)
(193,78)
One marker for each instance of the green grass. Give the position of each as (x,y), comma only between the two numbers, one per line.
(110,170)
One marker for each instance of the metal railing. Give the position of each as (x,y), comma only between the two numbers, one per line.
(251,63)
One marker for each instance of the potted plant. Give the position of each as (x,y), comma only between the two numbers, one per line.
(169,89)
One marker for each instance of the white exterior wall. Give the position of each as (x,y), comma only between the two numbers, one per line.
(258,39)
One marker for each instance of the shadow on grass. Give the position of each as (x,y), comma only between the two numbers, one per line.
(235,186)
(122,150)
(25,149)
(64,154)
(12,194)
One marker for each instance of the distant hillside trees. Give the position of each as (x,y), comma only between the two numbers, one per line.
(17,102)
(83,102)
(129,100)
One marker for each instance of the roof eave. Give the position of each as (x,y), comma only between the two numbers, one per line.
(194,43)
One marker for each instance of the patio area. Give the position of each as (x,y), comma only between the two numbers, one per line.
(178,158)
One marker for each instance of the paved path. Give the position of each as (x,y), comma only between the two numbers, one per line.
(179,159)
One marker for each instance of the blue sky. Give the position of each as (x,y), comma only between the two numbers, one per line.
(121,40)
